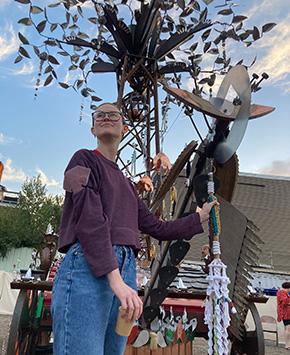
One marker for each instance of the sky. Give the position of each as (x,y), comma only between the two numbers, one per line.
(39,136)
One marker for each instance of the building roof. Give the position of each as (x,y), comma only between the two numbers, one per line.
(264,200)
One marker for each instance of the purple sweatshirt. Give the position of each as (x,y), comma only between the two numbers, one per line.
(102,208)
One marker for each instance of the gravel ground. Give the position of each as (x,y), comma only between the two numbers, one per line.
(199,348)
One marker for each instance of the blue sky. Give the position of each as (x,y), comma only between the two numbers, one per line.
(39,136)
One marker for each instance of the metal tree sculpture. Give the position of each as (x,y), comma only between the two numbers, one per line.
(142,48)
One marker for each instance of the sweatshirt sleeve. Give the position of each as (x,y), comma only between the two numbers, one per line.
(181,228)
(81,183)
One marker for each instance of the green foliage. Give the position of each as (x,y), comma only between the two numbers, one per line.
(25,225)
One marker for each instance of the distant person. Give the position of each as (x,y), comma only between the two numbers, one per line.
(283,310)
(205,256)
(99,232)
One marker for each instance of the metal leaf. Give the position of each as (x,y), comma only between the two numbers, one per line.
(22,38)
(181,4)
(256,33)
(225,12)
(25,21)
(53,27)
(52,60)
(176,67)
(203,15)
(73,67)
(267,27)
(206,46)
(187,11)
(176,40)
(83,63)
(48,80)
(239,27)
(63,85)
(110,50)
(219,60)
(23,1)
(96,98)
(205,35)
(93,20)
(239,18)
(24,52)
(213,51)
(36,10)
(18,59)
(54,5)
(79,83)
(48,69)
(103,67)
(41,26)
(63,53)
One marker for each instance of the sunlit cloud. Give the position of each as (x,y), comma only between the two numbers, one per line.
(277,167)
(45,179)
(8,140)
(26,69)
(273,48)
(15,174)
(8,42)
(12,174)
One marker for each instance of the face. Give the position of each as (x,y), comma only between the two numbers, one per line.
(204,251)
(108,123)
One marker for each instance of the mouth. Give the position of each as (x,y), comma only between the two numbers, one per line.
(106,124)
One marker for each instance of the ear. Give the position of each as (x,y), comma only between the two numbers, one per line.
(93,131)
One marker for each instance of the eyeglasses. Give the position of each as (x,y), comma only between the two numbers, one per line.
(113,116)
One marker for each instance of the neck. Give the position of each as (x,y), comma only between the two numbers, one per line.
(108,151)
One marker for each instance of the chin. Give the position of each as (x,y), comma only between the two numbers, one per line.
(108,136)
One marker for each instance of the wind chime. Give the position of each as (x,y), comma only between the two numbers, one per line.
(217,315)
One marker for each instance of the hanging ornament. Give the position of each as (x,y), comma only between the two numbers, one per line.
(217,315)
(43,57)
(173,200)
(133,162)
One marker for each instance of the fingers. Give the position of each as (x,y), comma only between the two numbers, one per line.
(133,305)
(130,309)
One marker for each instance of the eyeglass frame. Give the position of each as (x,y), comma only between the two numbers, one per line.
(106,113)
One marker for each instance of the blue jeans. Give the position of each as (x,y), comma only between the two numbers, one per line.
(84,309)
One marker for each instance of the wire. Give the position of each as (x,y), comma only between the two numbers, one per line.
(173,123)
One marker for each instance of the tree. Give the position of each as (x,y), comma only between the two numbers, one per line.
(24,225)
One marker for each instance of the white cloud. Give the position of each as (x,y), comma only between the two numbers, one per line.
(26,69)
(273,48)
(8,42)
(11,173)
(45,180)
(7,140)
(277,167)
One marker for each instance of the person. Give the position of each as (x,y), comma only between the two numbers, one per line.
(205,256)
(205,252)
(283,310)
(99,233)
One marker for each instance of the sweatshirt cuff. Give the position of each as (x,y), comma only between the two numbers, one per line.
(195,226)
(98,272)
